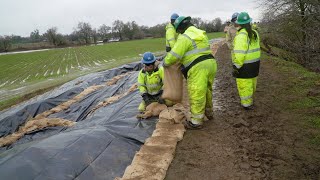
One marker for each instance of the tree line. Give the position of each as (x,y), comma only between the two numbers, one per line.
(293,26)
(84,33)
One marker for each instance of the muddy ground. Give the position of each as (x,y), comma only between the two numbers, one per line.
(265,143)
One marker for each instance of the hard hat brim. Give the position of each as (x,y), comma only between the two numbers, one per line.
(244,22)
(148,62)
(185,18)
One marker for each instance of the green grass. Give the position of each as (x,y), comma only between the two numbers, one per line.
(314,120)
(19,69)
(40,70)
(216,35)
(302,81)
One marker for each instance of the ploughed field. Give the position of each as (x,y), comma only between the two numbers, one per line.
(18,70)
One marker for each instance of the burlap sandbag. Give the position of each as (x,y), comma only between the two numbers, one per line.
(172,88)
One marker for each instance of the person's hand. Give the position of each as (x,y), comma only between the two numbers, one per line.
(161,101)
(160,58)
(168,49)
(156,63)
(235,73)
(146,98)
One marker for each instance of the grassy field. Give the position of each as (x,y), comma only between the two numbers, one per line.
(55,66)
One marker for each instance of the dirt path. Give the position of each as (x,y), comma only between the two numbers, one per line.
(265,143)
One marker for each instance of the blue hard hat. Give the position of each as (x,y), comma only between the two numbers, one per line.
(234,15)
(174,16)
(148,58)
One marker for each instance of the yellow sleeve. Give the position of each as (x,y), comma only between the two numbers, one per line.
(177,52)
(141,83)
(170,36)
(240,50)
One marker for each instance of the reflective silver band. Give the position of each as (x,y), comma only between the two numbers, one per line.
(240,51)
(175,55)
(254,50)
(246,52)
(237,65)
(171,39)
(245,98)
(153,85)
(247,105)
(198,116)
(195,51)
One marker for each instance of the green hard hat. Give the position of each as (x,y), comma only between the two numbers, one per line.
(181,19)
(243,18)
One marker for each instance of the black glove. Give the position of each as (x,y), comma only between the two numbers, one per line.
(235,72)
(161,101)
(160,92)
(146,98)
(161,58)
(168,49)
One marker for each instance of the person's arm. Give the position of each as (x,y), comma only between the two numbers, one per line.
(141,83)
(240,49)
(177,52)
(170,36)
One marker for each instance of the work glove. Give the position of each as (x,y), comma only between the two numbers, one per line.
(160,92)
(168,49)
(146,97)
(161,58)
(161,101)
(235,72)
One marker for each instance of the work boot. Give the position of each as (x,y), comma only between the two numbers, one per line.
(189,125)
(248,108)
(209,114)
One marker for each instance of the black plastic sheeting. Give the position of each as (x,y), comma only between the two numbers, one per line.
(100,146)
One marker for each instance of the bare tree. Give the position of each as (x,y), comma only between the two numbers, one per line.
(54,37)
(104,30)
(35,36)
(293,25)
(85,31)
(5,43)
(94,36)
(117,28)
(217,25)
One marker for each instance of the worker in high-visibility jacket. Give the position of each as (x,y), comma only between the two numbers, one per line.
(246,60)
(255,26)
(150,82)
(192,50)
(232,31)
(171,34)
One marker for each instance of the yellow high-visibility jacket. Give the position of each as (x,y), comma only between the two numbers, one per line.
(171,35)
(246,55)
(190,45)
(151,83)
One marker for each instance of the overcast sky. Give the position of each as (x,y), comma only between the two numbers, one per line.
(21,17)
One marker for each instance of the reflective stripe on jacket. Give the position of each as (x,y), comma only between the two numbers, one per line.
(190,45)
(171,35)
(246,55)
(150,83)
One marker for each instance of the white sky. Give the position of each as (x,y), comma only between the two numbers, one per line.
(20,17)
